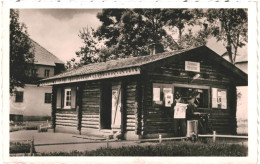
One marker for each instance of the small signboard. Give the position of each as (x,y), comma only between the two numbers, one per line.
(180,110)
(192,66)
(156,94)
(219,98)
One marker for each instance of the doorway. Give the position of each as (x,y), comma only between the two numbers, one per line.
(105,111)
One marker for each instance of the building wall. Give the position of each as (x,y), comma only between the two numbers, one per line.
(41,70)
(158,118)
(33,101)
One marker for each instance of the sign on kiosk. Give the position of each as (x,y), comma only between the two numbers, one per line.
(168,97)
(192,66)
(180,110)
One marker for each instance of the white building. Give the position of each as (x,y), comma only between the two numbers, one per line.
(33,102)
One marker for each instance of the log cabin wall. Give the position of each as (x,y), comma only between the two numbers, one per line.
(158,118)
(65,119)
(133,112)
(91,105)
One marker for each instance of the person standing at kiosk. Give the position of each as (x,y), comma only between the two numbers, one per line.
(179,122)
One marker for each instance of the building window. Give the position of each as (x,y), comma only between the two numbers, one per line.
(47,73)
(47,98)
(201,95)
(19,96)
(34,72)
(67,98)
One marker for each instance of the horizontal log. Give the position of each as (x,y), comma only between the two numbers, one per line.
(67,118)
(90,126)
(155,119)
(90,99)
(90,119)
(89,116)
(66,115)
(94,89)
(67,121)
(89,123)
(130,124)
(130,121)
(130,128)
(131,116)
(67,124)
(90,106)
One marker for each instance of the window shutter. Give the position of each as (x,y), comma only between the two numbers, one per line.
(58,101)
(62,97)
(73,97)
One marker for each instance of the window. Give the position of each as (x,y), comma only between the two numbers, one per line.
(219,98)
(19,96)
(164,94)
(202,95)
(67,98)
(47,73)
(34,71)
(47,98)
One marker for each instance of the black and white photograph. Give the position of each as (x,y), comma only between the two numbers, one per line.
(131,82)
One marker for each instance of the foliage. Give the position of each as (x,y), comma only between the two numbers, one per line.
(131,32)
(137,32)
(21,52)
(178,18)
(230,27)
(164,149)
(20,147)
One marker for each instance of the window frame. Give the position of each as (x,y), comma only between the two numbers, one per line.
(16,94)
(65,106)
(34,72)
(174,85)
(196,87)
(46,73)
(47,102)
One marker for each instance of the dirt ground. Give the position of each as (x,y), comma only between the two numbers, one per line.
(64,142)
(80,143)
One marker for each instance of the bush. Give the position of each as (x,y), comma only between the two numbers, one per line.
(165,149)
(20,147)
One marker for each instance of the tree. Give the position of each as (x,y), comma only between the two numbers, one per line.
(88,53)
(131,31)
(21,52)
(230,27)
(178,18)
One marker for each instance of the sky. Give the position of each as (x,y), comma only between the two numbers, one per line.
(57,29)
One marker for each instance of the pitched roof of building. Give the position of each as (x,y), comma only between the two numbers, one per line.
(116,64)
(99,70)
(43,56)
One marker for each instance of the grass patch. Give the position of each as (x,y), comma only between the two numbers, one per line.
(20,147)
(165,149)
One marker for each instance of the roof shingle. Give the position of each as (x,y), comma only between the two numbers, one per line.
(116,64)
(43,56)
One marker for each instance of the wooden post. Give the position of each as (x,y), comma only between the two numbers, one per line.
(160,138)
(214,136)
(32,147)
(107,142)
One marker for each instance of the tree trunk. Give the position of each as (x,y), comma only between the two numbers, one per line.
(229,49)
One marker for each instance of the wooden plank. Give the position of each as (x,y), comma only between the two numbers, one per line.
(130,124)
(131,121)
(67,118)
(90,122)
(89,116)
(66,124)
(67,121)
(130,128)
(90,106)
(90,126)
(66,115)
(90,119)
